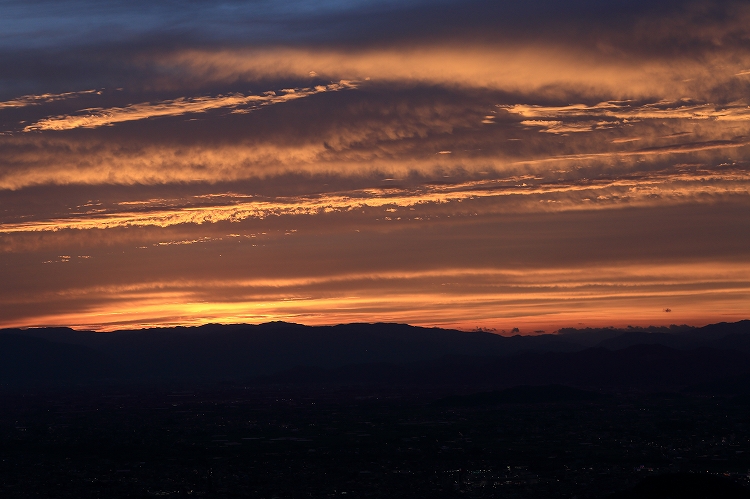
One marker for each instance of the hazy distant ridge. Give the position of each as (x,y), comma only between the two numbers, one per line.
(380,353)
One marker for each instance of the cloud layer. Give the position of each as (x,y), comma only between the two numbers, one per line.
(478,163)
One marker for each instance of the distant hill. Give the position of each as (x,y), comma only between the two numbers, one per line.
(589,337)
(646,367)
(27,359)
(281,352)
(724,335)
(247,350)
(632,338)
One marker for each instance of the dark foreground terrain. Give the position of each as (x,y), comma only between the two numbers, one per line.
(375,410)
(222,441)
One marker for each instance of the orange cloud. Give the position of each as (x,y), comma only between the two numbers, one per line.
(93,118)
(496,196)
(735,111)
(36,100)
(100,163)
(488,297)
(527,69)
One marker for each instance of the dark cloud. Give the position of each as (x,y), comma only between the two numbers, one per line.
(64,46)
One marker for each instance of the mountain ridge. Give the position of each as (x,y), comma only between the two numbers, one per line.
(282,352)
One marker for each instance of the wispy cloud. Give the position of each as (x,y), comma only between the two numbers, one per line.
(551,126)
(97,117)
(531,69)
(735,111)
(546,298)
(36,100)
(495,196)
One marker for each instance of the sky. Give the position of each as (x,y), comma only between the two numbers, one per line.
(468,164)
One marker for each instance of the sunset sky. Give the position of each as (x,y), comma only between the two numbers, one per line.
(471,164)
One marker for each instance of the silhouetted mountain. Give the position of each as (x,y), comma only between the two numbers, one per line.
(589,337)
(24,358)
(384,353)
(62,335)
(632,338)
(246,350)
(719,330)
(642,367)
(734,341)
(724,335)
(639,366)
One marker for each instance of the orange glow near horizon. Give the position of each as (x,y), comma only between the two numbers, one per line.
(529,320)
(531,302)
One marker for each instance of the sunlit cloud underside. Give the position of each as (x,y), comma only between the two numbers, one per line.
(531,301)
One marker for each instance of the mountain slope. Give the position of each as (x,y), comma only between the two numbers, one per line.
(25,358)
